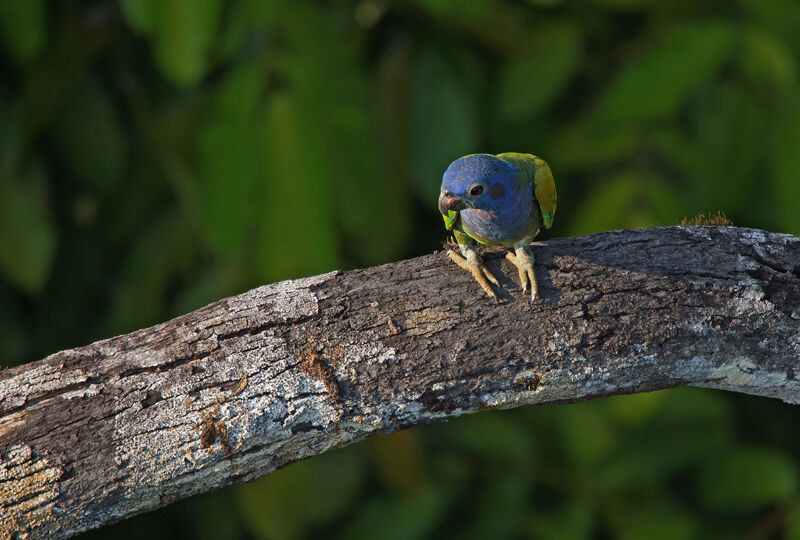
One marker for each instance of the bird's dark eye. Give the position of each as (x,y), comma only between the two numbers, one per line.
(476,190)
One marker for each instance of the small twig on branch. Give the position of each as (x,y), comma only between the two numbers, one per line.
(231,392)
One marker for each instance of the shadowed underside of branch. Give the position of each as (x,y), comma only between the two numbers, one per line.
(251,383)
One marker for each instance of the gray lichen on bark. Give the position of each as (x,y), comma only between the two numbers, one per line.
(251,383)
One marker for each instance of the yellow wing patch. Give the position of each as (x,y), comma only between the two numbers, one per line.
(544,188)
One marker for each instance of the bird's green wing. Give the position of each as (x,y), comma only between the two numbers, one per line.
(544,188)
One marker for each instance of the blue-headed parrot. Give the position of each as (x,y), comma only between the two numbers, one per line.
(504,199)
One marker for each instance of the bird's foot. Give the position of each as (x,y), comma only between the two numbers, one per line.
(473,263)
(523,260)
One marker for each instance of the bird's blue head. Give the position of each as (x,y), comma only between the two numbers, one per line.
(479,181)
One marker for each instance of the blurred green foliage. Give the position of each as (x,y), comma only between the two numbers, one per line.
(156,155)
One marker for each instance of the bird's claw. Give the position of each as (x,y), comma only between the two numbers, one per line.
(475,266)
(523,260)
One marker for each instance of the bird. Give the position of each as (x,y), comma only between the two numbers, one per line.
(503,199)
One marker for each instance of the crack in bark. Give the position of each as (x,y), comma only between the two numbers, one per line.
(35,399)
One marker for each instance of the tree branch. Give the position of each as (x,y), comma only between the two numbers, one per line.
(251,383)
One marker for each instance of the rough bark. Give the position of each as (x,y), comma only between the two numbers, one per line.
(251,383)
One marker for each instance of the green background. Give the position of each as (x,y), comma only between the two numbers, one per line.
(156,155)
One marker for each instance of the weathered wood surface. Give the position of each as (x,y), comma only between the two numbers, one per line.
(231,392)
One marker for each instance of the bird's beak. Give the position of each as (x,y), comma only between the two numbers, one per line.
(448,201)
